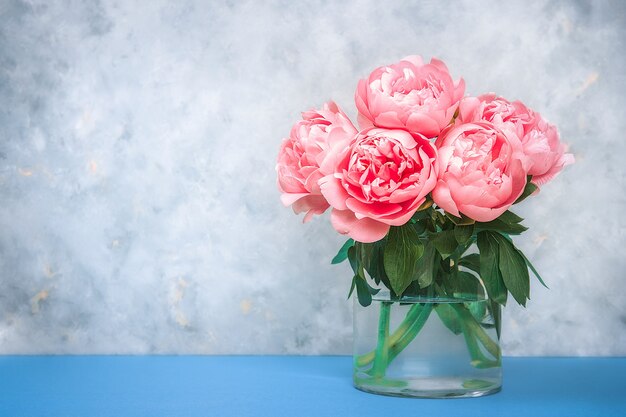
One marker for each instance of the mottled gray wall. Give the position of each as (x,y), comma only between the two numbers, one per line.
(138,208)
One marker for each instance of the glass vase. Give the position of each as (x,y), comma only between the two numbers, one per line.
(431,347)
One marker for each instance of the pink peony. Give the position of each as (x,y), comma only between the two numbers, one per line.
(379,181)
(480,170)
(492,108)
(421,98)
(302,157)
(545,155)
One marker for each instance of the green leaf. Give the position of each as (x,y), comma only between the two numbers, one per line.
(532,268)
(439,217)
(501,226)
(372,260)
(342,255)
(420,227)
(462,233)
(528,190)
(489,270)
(509,217)
(496,313)
(355,262)
(364,252)
(508,222)
(444,241)
(461,221)
(362,291)
(424,272)
(422,214)
(402,252)
(449,318)
(354,278)
(371,289)
(514,270)
(466,284)
(364,255)
(471,261)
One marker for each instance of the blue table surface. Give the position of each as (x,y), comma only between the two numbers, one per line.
(288,386)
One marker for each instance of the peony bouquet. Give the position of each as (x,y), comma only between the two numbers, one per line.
(423,189)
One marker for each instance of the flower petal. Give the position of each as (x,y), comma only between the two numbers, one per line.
(364,230)
(288,199)
(421,123)
(441,196)
(333,191)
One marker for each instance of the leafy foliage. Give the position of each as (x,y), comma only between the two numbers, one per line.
(489,267)
(449,318)
(508,223)
(431,254)
(425,270)
(402,253)
(342,255)
(463,233)
(445,242)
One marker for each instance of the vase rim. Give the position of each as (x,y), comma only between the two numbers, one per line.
(385,296)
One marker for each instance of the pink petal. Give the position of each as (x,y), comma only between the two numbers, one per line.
(333,191)
(459,90)
(566,159)
(415,60)
(364,122)
(403,194)
(405,138)
(288,199)
(336,157)
(309,215)
(311,203)
(372,210)
(420,123)
(388,119)
(482,214)
(441,196)
(407,213)
(444,155)
(311,182)
(439,65)
(365,230)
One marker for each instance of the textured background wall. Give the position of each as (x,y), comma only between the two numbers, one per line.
(138,208)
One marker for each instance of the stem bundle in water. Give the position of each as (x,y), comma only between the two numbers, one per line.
(389,346)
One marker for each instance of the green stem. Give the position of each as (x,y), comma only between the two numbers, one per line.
(478,358)
(412,315)
(492,347)
(381,356)
(405,333)
(474,332)
(412,331)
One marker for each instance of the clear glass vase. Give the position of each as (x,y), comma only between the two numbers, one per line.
(432,347)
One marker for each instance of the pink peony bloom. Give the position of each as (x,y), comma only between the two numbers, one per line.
(379,181)
(302,157)
(480,170)
(545,154)
(497,110)
(411,95)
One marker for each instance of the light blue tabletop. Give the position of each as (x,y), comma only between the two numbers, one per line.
(289,386)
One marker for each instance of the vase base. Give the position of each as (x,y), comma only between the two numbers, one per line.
(429,387)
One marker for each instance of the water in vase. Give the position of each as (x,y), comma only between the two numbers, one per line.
(431,348)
